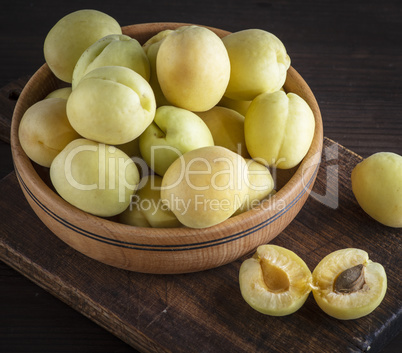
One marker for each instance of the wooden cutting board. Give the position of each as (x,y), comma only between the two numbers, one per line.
(204,311)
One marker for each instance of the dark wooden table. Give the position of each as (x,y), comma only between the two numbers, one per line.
(349,53)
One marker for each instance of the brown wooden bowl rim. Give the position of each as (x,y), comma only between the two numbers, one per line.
(155,238)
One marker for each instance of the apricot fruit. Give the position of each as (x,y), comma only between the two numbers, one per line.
(348,285)
(94,177)
(275,281)
(112,105)
(238,105)
(205,186)
(112,50)
(63,92)
(258,61)
(227,128)
(44,130)
(151,48)
(146,208)
(377,186)
(279,129)
(173,132)
(260,185)
(193,68)
(72,35)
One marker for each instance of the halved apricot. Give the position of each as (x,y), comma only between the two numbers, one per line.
(275,281)
(347,285)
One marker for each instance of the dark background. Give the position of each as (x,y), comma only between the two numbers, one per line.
(349,52)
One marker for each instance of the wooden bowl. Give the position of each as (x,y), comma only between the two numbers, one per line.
(164,250)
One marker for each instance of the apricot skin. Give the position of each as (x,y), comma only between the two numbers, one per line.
(279,129)
(45,130)
(193,68)
(71,35)
(377,186)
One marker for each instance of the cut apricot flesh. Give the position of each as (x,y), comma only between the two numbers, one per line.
(347,285)
(275,281)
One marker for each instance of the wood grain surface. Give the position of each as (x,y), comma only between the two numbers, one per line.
(349,53)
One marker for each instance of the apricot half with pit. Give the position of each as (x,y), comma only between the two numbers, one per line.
(275,281)
(347,285)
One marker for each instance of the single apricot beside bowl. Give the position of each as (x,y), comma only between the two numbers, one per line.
(377,186)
